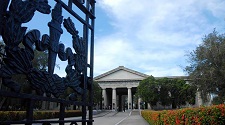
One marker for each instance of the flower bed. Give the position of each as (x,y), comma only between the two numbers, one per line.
(21,115)
(212,115)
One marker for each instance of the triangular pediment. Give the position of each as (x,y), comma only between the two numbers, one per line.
(121,73)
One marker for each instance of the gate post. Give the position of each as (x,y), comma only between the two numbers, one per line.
(62,113)
(29,111)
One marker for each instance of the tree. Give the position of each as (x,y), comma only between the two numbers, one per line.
(217,100)
(39,62)
(207,65)
(164,91)
(1,57)
(167,91)
(97,93)
(180,92)
(148,90)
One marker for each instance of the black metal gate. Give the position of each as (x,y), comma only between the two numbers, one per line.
(18,60)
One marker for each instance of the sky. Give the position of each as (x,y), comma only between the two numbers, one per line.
(153,36)
(148,36)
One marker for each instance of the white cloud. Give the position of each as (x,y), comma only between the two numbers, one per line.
(161,72)
(110,52)
(154,35)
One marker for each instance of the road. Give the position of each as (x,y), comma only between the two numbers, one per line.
(113,118)
(119,118)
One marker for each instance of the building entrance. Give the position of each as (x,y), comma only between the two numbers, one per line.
(117,99)
(118,88)
(122,99)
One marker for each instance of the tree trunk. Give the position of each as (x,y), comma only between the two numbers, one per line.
(174,106)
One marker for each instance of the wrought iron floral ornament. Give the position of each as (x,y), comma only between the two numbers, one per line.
(18,60)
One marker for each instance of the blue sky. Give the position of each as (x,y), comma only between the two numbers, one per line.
(149,36)
(154,36)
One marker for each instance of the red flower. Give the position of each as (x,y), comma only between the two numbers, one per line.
(183,117)
(177,121)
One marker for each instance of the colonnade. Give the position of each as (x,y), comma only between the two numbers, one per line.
(115,99)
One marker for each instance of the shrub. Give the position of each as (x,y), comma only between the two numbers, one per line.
(21,115)
(213,115)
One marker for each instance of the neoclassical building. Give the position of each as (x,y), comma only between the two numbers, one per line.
(119,87)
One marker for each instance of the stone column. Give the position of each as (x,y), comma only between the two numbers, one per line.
(104,102)
(114,105)
(123,103)
(129,98)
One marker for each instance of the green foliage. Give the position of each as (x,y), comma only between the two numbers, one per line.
(21,115)
(207,65)
(181,93)
(40,62)
(1,49)
(148,90)
(2,52)
(167,91)
(217,100)
(97,93)
(165,94)
(213,115)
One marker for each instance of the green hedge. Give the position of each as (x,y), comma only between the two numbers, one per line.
(212,115)
(21,115)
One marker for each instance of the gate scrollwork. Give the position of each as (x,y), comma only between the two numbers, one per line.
(18,60)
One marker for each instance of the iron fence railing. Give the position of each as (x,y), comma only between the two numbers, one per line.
(18,60)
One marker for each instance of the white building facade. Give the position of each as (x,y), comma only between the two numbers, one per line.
(119,87)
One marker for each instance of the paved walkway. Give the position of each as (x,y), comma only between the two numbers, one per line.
(134,119)
(119,118)
(114,118)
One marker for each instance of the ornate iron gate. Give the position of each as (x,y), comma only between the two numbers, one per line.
(18,60)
